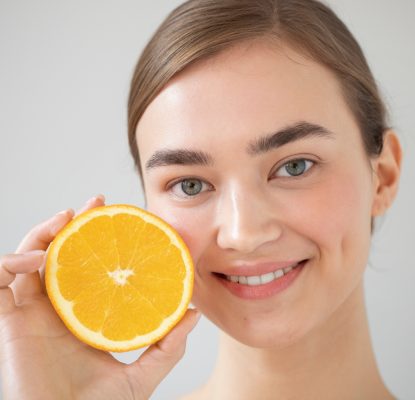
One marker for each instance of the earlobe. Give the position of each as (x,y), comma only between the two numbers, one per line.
(387,169)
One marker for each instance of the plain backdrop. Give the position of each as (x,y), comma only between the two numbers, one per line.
(65,68)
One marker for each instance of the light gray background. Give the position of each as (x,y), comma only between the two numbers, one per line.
(65,69)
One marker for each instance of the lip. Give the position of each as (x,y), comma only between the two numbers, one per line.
(262,291)
(259,268)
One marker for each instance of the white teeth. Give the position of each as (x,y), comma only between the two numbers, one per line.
(242,280)
(279,273)
(267,277)
(288,269)
(260,279)
(253,280)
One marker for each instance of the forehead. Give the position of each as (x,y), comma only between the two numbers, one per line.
(241,93)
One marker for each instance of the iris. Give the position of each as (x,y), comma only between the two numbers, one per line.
(191,186)
(295,167)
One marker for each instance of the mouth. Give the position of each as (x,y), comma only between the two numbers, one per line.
(257,280)
(257,287)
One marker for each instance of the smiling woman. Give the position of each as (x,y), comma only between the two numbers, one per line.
(262,123)
(259,134)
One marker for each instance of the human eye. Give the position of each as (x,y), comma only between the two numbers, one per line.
(188,187)
(294,168)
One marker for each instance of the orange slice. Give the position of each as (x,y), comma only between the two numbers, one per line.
(119,277)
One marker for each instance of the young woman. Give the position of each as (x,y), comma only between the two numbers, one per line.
(259,134)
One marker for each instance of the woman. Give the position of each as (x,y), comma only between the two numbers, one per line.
(259,134)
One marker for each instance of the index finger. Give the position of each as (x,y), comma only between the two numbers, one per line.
(25,286)
(42,234)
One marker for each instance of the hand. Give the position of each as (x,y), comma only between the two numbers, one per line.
(39,356)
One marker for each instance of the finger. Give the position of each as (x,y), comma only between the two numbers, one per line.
(96,201)
(28,285)
(91,203)
(10,265)
(160,358)
(42,234)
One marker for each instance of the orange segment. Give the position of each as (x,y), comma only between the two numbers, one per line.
(99,236)
(74,278)
(119,277)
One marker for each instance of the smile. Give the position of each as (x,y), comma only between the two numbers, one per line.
(256,280)
(256,287)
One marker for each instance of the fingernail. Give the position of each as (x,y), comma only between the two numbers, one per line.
(67,211)
(94,199)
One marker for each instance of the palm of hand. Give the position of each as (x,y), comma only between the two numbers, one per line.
(41,359)
(46,360)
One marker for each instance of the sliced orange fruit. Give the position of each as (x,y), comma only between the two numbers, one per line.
(119,277)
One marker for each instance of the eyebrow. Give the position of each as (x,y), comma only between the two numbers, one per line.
(291,133)
(179,157)
(264,144)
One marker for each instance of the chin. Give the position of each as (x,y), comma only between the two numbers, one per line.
(263,334)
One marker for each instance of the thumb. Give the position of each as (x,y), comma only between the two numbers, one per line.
(159,359)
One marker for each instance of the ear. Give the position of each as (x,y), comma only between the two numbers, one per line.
(387,170)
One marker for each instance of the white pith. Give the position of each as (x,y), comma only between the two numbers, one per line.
(255,280)
(120,276)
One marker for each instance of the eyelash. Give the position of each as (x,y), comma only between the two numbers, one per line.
(186,196)
(313,163)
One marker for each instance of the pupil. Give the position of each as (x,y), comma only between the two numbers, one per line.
(296,167)
(191,186)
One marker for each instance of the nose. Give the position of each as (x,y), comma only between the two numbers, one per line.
(246,221)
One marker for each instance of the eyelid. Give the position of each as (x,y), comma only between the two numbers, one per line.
(296,158)
(170,186)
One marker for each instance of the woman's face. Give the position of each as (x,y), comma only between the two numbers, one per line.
(304,196)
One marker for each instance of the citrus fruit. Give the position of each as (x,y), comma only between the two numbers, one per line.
(119,277)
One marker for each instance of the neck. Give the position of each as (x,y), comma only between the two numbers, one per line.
(334,361)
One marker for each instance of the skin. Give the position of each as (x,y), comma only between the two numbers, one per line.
(288,345)
(312,340)
(41,359)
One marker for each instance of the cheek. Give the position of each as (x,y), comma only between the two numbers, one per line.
(336,217)
(193,227)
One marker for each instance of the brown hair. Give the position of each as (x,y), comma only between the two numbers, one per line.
(199,29)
